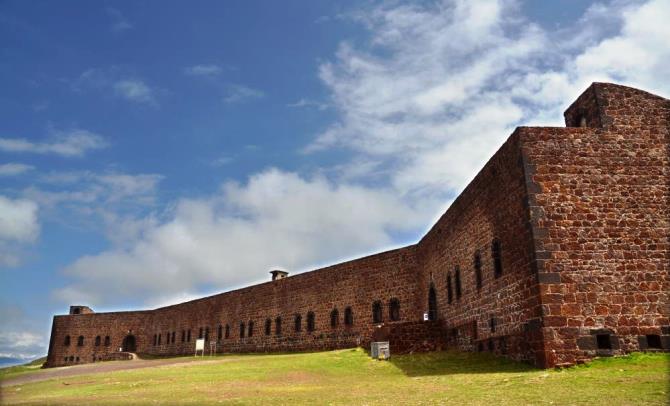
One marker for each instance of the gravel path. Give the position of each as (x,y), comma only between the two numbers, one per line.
(100,367)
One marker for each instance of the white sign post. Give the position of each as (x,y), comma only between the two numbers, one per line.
(200,346)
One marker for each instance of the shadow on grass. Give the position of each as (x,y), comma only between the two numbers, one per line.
(452,363)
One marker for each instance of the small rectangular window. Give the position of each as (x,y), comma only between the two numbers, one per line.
(604,341)
(654,341)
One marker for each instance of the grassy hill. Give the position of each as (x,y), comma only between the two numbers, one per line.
(348,377)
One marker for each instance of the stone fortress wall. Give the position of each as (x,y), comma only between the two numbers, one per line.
(556,252)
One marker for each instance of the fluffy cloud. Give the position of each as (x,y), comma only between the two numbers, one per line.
(135,90)
(18,225)
(422,105)
(19,337)
(14,169)
(118,83)
(236,236)
(439,86)
(236,93)
(203,70)
(119,22)
(72,143)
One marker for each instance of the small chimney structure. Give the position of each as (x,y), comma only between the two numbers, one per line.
(278,274)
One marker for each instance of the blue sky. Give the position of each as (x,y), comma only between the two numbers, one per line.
(152,152)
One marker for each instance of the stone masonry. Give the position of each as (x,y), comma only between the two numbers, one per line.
(557,251)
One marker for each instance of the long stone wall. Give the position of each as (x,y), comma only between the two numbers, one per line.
(556,252)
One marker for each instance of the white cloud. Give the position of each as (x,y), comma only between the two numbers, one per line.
(19,225)
(72,143)
(117,82)
(119,23)
(18,220)
(423,104)
(203,70)
(236,93)
(14,169)
(440,86)
(235,237)
(19,337)
(104,189)
(308,103)
(135,90)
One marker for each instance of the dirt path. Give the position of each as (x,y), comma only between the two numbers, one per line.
(65,372)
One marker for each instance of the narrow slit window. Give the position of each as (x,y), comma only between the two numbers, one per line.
(310,321)
(478,269)
(348,317)
(457,277)
(450,294)
(377,312)
(250,329)
(242,330)
(496,254)
(268,327)
(334,318)
(394,309)
(278,326)
(298,323)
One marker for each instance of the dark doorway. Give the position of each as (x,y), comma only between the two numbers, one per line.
(432,303)
(128,344)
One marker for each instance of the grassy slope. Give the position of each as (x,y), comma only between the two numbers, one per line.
(350,377)
(22,369)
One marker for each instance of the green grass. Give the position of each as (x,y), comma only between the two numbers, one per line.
(16,370)
(348,377)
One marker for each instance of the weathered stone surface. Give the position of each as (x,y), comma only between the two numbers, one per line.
(582,218)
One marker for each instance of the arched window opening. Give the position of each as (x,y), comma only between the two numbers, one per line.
(242,330)
(310,321)
(348,317)
(167,338)
(298,323)
(159,339)
(207,334)
(71,358)
(394,309)
(432,303)
(268,327)
(334,318)
(227,334)
(278,326)
(457,276)
(183,336)
(200,332)
(493,324)
(173,334)
(250,331)
(450,294)
(66,342)
(497,258)
(80,341)
(219,333)
(155,340)
(377,312)
(478,269)
(107,341)
(97,341)
(188,335)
